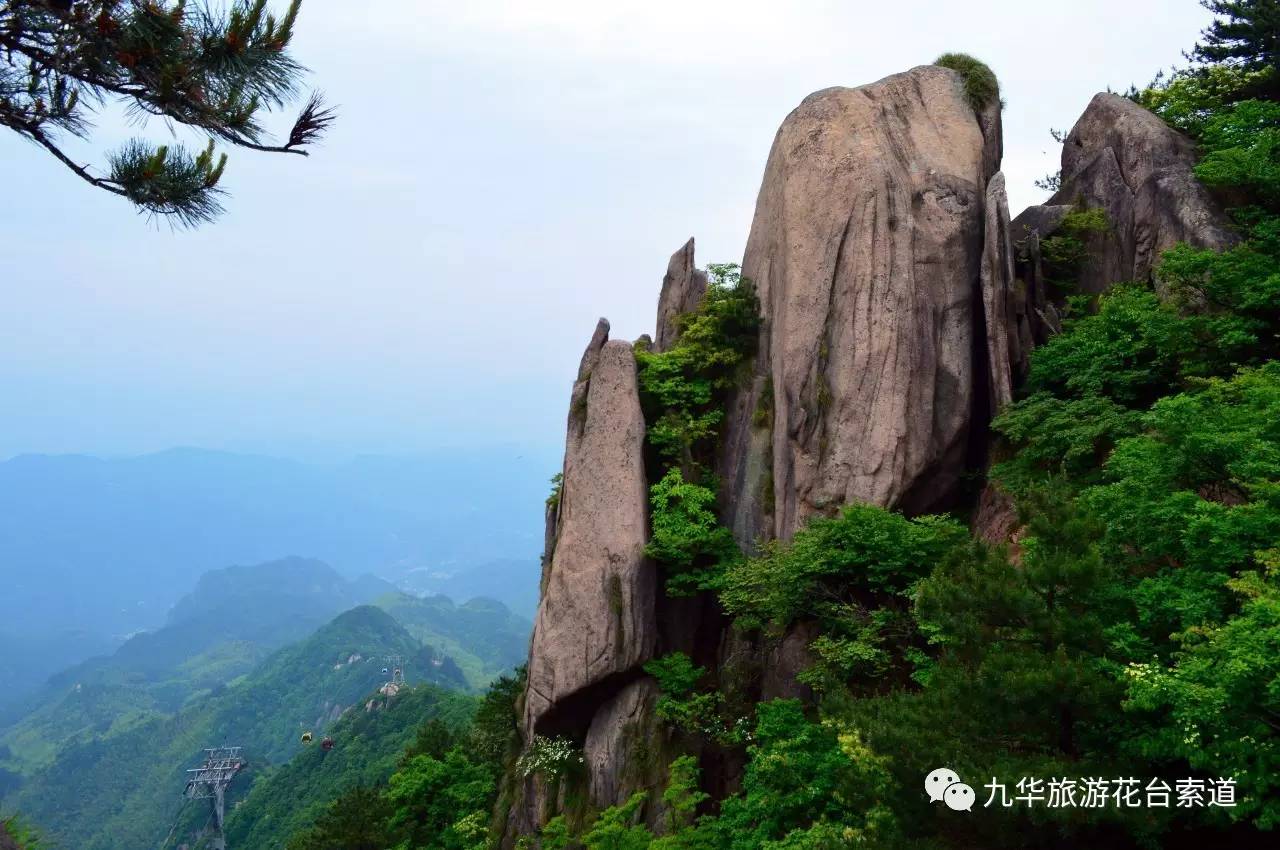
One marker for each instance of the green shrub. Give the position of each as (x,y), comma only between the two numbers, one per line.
(980,84)
(687,535)
(1065,251)
(557,487)
(684,391)
(864,549)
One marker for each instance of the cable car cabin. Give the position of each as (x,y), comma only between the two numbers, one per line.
(326,744)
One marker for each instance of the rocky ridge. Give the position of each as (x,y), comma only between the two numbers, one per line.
(899,307)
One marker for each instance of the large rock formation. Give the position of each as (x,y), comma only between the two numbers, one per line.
(683,288)
(866,250)
(1124,160)
(900,306)
(595,621)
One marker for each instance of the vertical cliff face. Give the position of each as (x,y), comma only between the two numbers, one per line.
(1004,303)
(866,249)
(595,621)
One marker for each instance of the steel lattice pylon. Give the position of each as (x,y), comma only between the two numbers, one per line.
(209,782)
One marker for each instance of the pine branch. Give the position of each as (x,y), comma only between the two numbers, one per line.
(215,71)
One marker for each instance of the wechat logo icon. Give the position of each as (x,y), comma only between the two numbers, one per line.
(944,784)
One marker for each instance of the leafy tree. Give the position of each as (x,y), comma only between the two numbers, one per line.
(684,388)
(217,71)
(804,777)
(687,536)
(705,713)
(432,799)
(1189,98)
(358,820)
(616,828)
(1218,704)
(683,392)
(1034,632)
(494,737)
(683,796)
(1192,501)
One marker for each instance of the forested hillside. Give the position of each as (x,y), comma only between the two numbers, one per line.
(232,621)
(424,776)
(137,768)
(482,636)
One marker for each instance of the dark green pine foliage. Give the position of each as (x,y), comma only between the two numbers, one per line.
(1245,33)
(215,70)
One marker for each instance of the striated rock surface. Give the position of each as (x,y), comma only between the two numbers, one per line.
(595,620)
(866,250)
(622,745)
(1126,161)
(1003,303)
(683,287)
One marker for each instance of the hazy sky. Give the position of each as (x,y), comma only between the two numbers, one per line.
(501,175)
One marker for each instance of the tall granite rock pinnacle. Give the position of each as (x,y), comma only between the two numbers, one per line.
(596,617)
(866,249)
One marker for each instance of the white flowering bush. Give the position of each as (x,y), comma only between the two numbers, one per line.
(549,757)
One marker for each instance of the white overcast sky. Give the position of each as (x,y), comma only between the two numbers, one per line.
(501,175)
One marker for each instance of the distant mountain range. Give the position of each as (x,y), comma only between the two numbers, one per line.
(121,786)
(94,550)
(225,628)
(253,656)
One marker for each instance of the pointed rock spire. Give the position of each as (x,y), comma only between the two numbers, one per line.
(595,619)
(683,288)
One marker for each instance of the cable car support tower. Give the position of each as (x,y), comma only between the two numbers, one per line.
(210,781)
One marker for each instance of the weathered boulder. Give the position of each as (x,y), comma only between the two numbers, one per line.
(683,287)
(866,251)
(595,619)
(1126,161)
(1042,219)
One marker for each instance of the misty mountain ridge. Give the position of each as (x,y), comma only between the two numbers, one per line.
(93,550)
(229,624)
